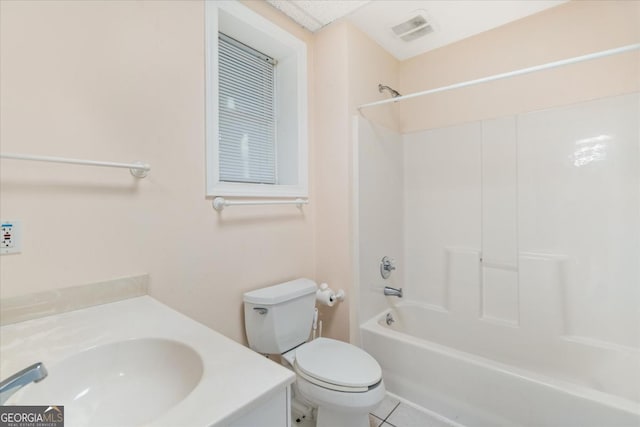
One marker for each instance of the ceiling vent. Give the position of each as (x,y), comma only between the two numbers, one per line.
(413,28)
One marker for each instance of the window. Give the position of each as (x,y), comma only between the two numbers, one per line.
(246,111)
(256,105)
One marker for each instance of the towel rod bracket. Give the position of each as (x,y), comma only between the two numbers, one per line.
(140,172)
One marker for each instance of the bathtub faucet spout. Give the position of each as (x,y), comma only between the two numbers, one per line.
(389,291)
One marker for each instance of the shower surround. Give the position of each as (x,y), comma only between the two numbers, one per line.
(518,239)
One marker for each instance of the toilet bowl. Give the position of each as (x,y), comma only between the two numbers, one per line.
(343,382)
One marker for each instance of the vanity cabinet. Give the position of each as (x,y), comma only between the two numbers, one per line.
(273,411)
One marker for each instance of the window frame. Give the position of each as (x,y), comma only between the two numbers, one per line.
(261,34)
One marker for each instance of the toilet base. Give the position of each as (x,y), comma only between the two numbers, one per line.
(340,409)
(331,418)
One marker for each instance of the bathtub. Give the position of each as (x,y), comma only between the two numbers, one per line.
(486,375)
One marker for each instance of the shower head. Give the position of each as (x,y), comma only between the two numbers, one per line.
(394,93)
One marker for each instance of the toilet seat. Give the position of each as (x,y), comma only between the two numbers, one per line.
(337,365)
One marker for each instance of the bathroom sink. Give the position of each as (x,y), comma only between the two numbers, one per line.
(126,383)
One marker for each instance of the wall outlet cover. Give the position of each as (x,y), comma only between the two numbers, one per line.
(10,237)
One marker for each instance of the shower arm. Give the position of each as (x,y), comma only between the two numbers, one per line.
(382,88)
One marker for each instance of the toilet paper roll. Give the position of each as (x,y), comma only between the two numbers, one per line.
(325,297)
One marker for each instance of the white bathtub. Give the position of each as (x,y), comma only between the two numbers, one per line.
(485,377)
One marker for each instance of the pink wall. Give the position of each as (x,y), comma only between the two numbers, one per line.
(331,164)
(124,81)
(572,29)
(348,68)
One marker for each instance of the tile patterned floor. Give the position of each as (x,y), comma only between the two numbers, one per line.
(393,413)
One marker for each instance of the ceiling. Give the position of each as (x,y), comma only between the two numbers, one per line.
(315,14)
(450,20)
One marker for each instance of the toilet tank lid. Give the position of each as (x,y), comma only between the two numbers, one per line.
(279,293)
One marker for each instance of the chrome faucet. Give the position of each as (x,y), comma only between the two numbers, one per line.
(393,292)
(34,373)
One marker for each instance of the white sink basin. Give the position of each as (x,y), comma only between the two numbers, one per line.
(126,383)
(136,362)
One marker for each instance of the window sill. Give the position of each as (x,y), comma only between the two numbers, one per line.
(232,189)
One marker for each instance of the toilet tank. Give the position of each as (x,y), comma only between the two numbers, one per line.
(278,318)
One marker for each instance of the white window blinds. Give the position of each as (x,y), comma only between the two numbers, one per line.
(246,114)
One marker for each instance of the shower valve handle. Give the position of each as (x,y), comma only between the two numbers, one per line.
(387,265)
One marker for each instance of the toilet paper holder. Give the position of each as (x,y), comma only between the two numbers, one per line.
(326,296)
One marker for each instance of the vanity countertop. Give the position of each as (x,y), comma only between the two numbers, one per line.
(234,378)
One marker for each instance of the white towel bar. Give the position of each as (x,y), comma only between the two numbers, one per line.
(219,203)
(137,169)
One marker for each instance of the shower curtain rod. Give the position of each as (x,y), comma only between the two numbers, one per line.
(547,66)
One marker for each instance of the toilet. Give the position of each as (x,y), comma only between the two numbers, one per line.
(343,382)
